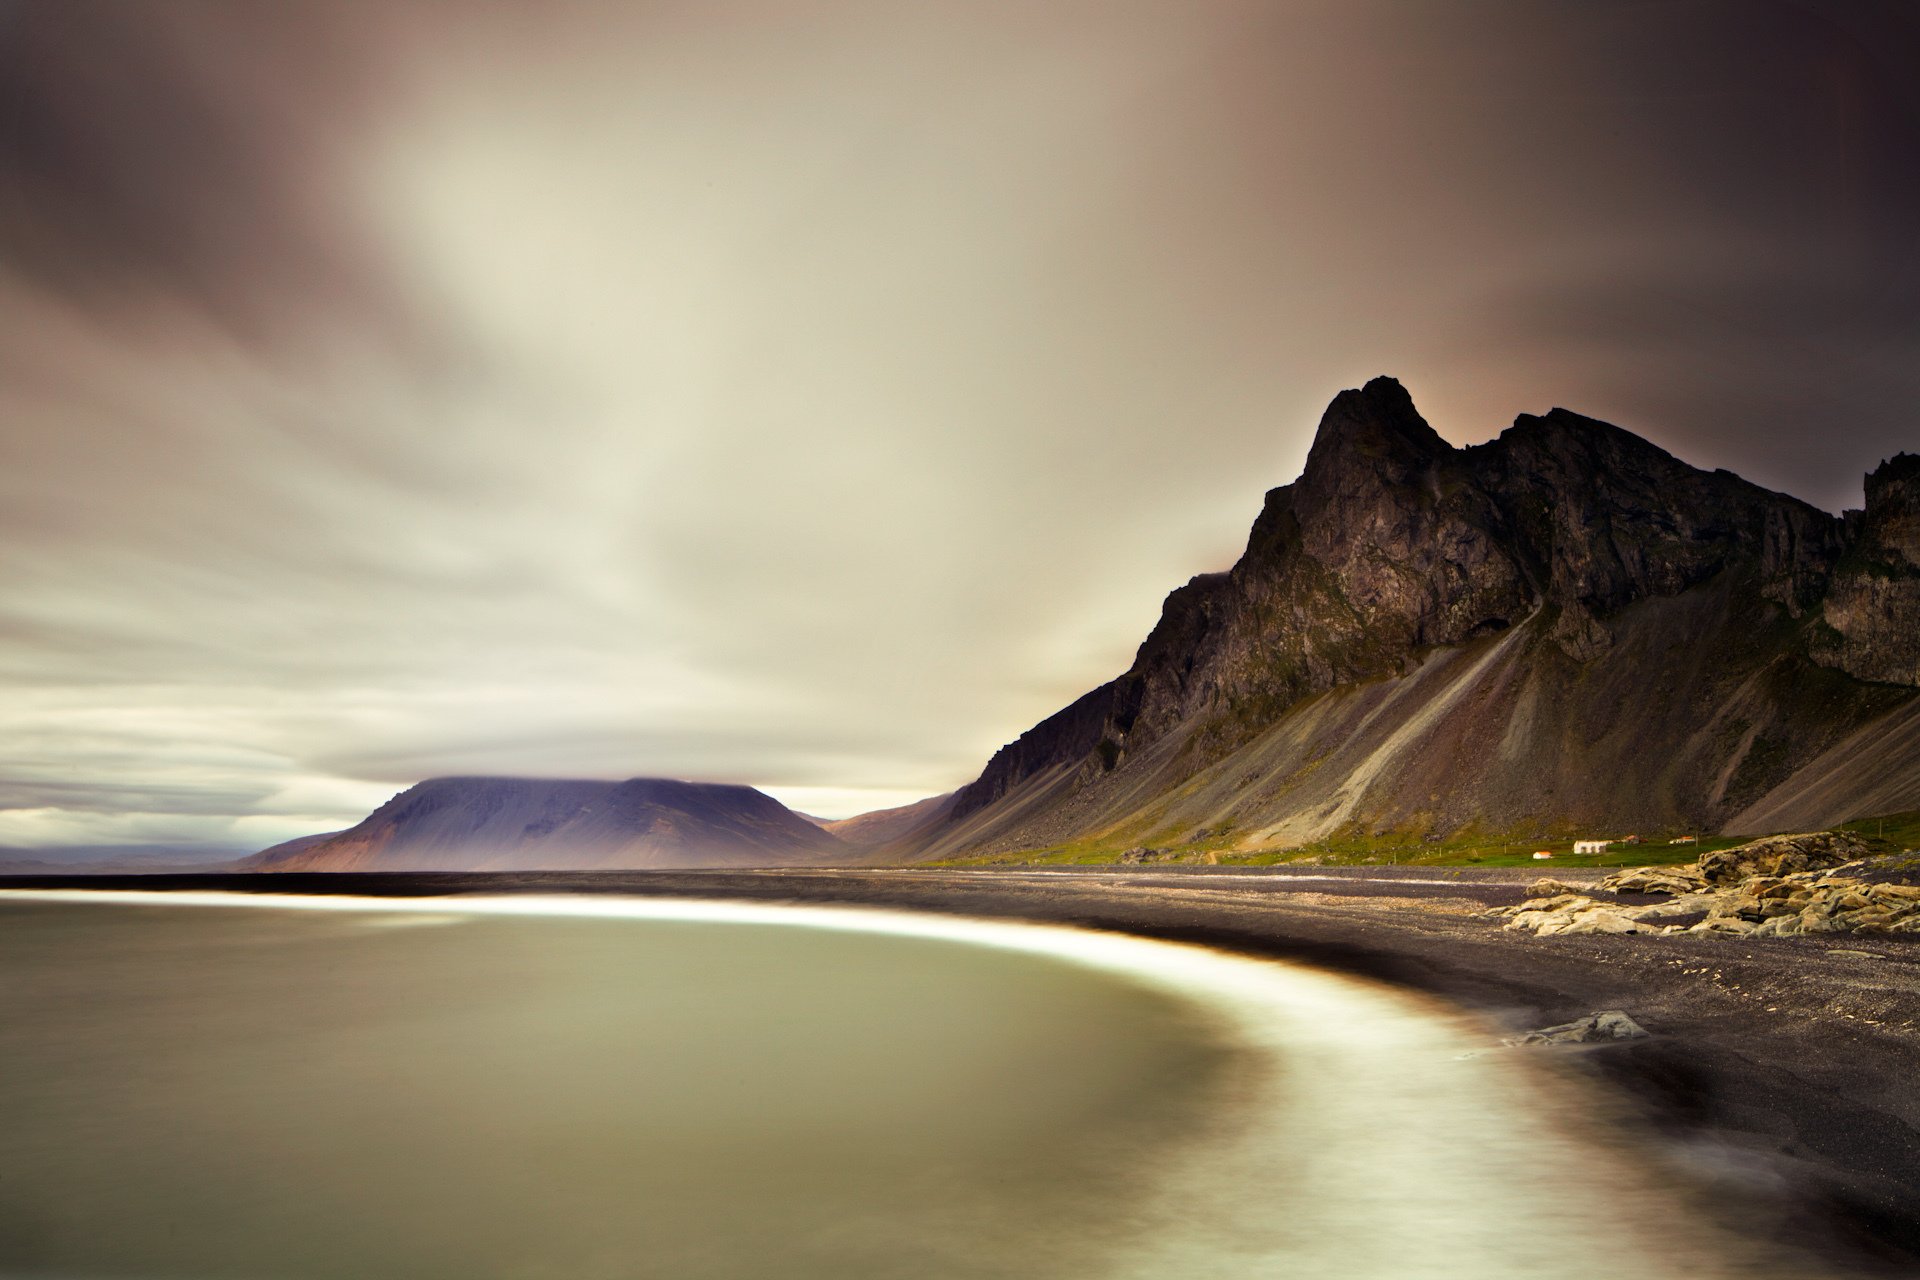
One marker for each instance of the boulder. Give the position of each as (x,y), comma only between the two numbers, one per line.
(1672,908)
(1607,1025)
(1737,904)
(1871,920)
(1780,855)
(1571,913)
(1673,880)
(1603,920)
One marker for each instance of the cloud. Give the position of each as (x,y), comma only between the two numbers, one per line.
(817,397)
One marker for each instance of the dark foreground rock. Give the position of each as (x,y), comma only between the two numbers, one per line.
(1600,1028)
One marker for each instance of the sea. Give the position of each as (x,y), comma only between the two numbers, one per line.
(227,1085)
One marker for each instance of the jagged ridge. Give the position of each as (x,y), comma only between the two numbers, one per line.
(1565,624)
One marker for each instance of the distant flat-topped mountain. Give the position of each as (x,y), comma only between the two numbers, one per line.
(1565,626)
(509,824)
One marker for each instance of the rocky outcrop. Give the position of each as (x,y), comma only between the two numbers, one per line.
(1577,626)
(1779,856)
(1809,902)
(509,824)
(1547,887)
(1872,609)
(1670,880)
(1572,913)
(1775,888)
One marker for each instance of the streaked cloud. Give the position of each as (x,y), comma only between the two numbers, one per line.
(816,396)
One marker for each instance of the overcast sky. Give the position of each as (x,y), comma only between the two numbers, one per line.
(817,395)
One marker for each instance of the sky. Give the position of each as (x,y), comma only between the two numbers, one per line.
(816,396)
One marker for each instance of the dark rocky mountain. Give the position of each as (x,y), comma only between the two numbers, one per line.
(1870,617)
(1563,627)
(505,824)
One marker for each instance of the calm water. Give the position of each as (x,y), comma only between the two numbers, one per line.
(598,1088)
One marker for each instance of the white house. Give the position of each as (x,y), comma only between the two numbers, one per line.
(1591,846)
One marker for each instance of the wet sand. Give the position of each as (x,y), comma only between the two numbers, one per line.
(1778,1085)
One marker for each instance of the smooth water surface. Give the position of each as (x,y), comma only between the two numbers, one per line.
(230,1087)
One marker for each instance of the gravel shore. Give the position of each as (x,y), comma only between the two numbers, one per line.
(1777,1082)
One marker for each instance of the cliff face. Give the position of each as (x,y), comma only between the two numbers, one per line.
(1872,609)
(1506,622)
(500,824)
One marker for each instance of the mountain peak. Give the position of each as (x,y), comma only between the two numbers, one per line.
(1894,474)
(1375,426)
(1564,624)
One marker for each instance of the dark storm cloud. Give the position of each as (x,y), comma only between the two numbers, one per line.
(1766,369)
(1756,164)
(817,395)
(189,150)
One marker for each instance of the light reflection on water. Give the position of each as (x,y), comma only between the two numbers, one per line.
(215,1085)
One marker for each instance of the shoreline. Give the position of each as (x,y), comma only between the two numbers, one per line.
(1775,1082)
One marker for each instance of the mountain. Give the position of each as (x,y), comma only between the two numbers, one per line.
(885,826)
(1564,627)
(109,859)
(503,824)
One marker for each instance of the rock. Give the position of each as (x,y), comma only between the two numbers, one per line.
(1871,606)
(1546,887)
(1602,920)
(1571,913)
(1780,855)
(1725,924)
(1736,904)
(1786,898)
(1685,905)
(1674,880)
(1872,920)
(1607,1025)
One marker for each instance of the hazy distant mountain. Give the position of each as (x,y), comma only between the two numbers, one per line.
(109,859)
(884,826)
(1563,626)
(498,824)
